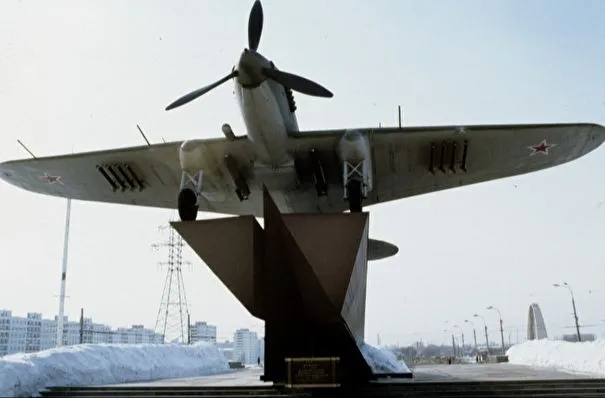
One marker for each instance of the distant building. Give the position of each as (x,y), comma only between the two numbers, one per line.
(48,334)
(33,333)
(246,347)
(71,331)
(201,331)
(227,348)
(17,334)
(261,349)
(137,334)
(574,337)
(95,333)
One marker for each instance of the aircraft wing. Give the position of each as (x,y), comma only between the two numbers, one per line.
(147,175)
(406,162)
(418,160)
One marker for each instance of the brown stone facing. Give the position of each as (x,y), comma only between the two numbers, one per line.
(303,274)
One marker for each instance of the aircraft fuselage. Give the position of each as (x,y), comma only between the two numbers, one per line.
(267,109)
(268,120)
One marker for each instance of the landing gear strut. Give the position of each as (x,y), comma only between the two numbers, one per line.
(355,185)
(189,194)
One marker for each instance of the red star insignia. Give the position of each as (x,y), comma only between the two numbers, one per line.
(542,148)
(51,179)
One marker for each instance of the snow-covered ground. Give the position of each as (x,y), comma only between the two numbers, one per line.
(23,375)
(584,357)
(382,360)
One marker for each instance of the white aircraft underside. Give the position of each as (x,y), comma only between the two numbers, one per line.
(269,124)
(268,121)
(305,171)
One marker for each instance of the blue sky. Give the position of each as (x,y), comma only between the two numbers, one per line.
(81,75)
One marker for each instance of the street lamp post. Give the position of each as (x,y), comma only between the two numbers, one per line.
(491,307)
(454,345)
(462,333)
(453,342)
(474,334)
(573,304)
(485,326)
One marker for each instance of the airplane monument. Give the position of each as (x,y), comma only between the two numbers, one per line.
(303,182)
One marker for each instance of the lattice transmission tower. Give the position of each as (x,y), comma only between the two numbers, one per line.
(173,315)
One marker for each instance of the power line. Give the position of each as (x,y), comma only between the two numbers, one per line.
(173,315)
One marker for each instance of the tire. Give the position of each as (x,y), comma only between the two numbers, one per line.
(187,205)
(355,196)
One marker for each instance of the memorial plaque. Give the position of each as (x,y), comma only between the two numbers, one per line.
(312,372)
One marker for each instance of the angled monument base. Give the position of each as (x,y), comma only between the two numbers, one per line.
(305,276)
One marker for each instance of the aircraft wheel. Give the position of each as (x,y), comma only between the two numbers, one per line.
(355,196)
(187,204)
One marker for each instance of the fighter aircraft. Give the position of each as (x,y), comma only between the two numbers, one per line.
(306,171)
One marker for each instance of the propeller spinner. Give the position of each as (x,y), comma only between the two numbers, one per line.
(253,68)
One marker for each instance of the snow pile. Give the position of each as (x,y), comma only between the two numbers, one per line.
(382,360)
(96,364)
(585,357)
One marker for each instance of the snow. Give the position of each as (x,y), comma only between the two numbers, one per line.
(583,357)
(23,375)
(96,364)
(382,360)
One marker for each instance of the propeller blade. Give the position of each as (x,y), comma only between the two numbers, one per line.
(201,91)
(297,83)
(255,25)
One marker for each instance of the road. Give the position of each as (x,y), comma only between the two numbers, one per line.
(245,377)
(470,372)
(491,372)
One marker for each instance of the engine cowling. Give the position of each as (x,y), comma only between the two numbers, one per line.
(354,147)
(191,155)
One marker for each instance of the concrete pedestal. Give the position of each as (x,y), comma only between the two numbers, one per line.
(303,274)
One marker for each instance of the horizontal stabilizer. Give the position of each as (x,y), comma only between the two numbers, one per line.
(379,249)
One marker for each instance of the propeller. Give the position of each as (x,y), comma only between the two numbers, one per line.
(297,83)
(200,91)
(254,67)
(255,25)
